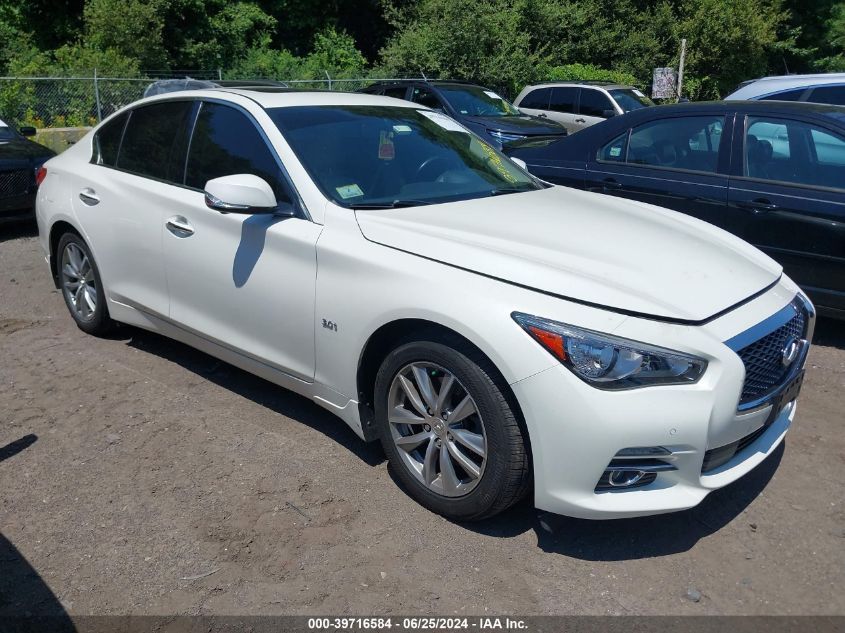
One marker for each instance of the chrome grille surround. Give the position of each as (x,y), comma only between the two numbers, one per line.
(762,347)
(763,359)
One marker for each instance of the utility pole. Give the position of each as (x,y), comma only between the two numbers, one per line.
(681,67)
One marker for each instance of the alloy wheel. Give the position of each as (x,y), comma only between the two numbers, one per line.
(78,282)
(437,427)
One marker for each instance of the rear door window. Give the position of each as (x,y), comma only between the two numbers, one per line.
(226,142)
(154,141)
(594,103)
(537,99)
(564,99)
(792,151)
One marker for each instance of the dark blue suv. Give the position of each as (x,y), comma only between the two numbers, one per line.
(479,109)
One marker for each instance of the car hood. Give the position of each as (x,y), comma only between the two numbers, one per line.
(527,125)
(591,248)
(21,149)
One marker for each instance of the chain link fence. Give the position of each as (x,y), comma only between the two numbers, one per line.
(50,102)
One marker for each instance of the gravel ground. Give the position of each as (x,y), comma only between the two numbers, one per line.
(139,476)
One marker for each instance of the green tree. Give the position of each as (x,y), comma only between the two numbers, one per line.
(728,41)
(489,41)
(133,27)
(835,38)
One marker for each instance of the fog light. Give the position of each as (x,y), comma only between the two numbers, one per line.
(622,474)
(624,478)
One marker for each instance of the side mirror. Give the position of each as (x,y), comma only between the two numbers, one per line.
(27,130)
(607,114)
(520,162)
(240,193)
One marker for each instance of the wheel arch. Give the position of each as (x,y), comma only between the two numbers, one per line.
(58,229)
(394,333)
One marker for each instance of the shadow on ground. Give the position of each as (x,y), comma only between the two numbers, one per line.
(26,602)
(830,332)
(624,539)
(630,539)
(260,391)
(15,229)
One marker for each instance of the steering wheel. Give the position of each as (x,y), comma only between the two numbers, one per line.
(427,164)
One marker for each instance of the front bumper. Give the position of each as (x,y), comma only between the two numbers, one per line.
(577,430)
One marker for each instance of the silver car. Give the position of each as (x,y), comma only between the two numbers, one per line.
(577,105)
(820,88)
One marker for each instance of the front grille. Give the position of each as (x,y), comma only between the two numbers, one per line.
(15,183)
(763,359)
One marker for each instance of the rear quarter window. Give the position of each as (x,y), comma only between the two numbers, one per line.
(107,141)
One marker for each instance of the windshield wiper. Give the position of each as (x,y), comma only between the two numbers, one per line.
(501,191)
(396,204)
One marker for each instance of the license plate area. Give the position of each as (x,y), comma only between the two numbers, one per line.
(789,394)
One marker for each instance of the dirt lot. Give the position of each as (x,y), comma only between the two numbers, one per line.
(134,467)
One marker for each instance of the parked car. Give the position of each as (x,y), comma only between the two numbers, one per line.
(577,105)
(493,332)
(772,173)
(20,159)
(820,88)
(479,109)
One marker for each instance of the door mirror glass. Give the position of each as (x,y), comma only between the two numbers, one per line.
(27,130)
(241,193)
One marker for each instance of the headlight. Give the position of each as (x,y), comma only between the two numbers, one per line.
(610,362)
(505,138)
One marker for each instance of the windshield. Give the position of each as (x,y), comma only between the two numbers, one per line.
(385,156)
(477,101)
(630,99)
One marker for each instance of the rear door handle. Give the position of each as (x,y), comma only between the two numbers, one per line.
(610,184)
(760,205)
(579,120)
(89,196)
(179,226)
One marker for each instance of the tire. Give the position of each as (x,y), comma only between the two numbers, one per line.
(488,483)
(79,281)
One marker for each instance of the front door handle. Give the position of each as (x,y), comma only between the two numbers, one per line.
(179,226)
(580,120)
(89,196)
(759,205)
(610,184)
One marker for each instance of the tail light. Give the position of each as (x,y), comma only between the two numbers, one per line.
(40,175)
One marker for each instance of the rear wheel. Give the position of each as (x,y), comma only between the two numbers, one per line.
(79,279)
(448,430)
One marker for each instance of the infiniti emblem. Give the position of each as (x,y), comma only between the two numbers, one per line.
(789,352)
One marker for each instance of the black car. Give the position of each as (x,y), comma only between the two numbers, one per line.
(20,159)
(770,172)
(479,109)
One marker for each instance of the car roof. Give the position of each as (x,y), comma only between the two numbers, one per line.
(762,108)
(768,85)
(608,85)
(272,97)
(428,82)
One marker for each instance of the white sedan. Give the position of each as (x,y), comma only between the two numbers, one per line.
(498,336)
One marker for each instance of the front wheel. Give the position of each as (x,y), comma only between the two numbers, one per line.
(79,279)
(448,430)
